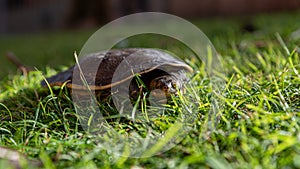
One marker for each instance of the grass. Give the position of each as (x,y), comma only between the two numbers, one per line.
(258,126)
(52,49)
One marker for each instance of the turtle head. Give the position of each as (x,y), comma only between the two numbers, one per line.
(165,86)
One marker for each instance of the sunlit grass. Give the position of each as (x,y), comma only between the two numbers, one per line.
(257,126)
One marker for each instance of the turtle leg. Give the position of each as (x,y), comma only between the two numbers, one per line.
(135,90)
(59,78)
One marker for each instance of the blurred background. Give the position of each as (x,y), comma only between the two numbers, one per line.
(20,16)
(47,32)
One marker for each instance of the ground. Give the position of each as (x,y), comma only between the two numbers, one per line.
(257,126)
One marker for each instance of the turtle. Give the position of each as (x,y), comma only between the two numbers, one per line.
(143,69)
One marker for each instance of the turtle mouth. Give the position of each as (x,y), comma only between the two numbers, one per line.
(158,96)
(157,93)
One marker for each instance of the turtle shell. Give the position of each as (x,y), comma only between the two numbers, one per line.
(103,70)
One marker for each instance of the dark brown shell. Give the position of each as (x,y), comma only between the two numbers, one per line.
(130,61)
